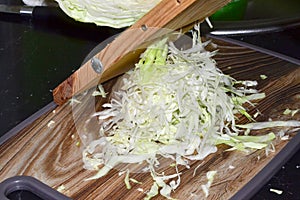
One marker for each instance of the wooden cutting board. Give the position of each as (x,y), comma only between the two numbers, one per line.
(50,152)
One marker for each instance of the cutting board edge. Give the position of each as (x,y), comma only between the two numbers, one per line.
(25,123)
(255,48)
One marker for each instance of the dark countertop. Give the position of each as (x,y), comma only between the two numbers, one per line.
(36,55)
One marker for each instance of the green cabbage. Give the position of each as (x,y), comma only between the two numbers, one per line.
(113,13)
(176,104)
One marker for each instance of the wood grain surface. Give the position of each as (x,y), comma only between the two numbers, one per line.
(124,50)
(50,152)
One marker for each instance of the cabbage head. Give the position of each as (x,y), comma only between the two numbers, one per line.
(112,13)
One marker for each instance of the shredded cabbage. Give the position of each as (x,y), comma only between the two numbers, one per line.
(175,104)
(210,177)
(113,13)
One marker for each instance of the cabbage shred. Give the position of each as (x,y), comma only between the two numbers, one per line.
(175,104)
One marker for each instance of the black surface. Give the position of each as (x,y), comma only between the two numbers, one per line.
(36,55)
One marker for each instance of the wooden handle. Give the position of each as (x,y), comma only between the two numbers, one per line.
(120,55)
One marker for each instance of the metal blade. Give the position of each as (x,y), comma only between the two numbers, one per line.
(22,10)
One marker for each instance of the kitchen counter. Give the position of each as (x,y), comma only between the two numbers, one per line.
(36,55)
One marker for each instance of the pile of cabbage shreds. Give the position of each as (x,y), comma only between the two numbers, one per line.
(175,104)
